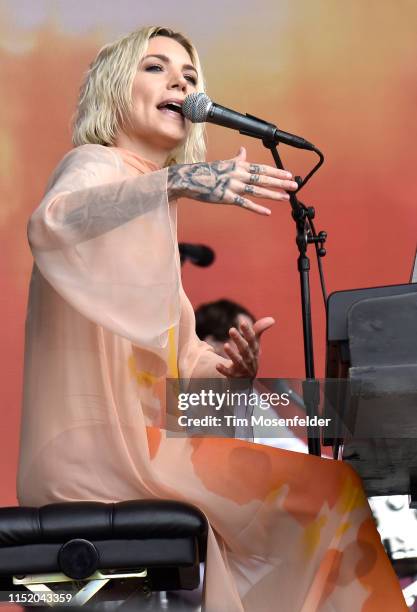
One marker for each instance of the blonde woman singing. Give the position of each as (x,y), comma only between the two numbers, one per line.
(108,322)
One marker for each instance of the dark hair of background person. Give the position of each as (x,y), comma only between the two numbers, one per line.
(216,318)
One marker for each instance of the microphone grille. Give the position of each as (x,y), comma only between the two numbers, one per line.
(196,107)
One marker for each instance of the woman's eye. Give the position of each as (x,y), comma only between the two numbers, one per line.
(191,79)
(157,68)
(153,67)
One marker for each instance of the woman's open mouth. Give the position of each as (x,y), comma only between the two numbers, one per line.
(171,109)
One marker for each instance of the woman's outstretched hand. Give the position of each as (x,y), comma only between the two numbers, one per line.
(243,351)
(230,182)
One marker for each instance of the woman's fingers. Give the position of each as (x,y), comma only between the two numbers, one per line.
(261,192)
(263,169)
(261,325)
(250,336)
(265,180)
(245,203)
(225,370)
(234,355)
(243,352)
(243,346)
(241,156)
(259,181)
(232,181)
(241,366)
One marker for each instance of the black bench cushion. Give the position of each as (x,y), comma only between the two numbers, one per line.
(127,534)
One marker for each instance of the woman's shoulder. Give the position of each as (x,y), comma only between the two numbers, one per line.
(92,160)
(90,154)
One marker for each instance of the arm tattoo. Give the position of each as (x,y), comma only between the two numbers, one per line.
(103,211)
(203,181)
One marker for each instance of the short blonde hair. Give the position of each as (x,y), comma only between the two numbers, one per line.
(105,99)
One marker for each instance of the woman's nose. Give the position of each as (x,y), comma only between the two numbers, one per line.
(177,80)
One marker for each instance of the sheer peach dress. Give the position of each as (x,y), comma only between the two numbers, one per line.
(107,323)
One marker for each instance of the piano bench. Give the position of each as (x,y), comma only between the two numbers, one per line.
(157,544)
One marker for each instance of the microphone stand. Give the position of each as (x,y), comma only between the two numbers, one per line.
(303,216)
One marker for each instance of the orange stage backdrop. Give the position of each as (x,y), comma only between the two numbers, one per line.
(340,74)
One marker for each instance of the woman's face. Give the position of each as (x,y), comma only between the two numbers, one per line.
(164,74)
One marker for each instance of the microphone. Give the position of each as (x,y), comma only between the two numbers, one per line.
(198,108)
(198,254)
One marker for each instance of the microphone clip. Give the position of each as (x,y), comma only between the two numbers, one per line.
(268,137)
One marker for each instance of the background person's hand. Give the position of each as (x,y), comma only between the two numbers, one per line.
(229,182)
(243,351)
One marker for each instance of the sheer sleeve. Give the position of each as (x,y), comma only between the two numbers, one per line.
(106,242)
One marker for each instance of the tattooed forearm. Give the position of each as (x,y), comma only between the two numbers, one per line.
(102,216)
(206,182)
(87,215)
